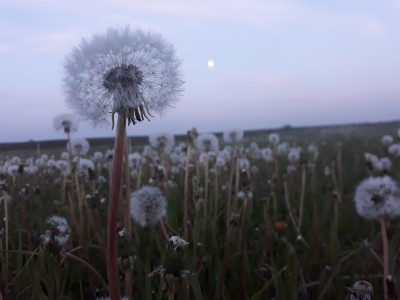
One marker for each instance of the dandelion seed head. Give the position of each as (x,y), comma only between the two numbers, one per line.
(16,160)
(383,164)
(66,122)
(387,140)
(394,149)
(98,155)
(206,142)
(129,72)
(59,231)
(30,170)
(163,140)
(64,155)
(294,154)
(84,165)
(135,160)
(266,154)
(233,136)
(274,138)
(148,205)
(79,146)
(13,170)
(377,196)
(370,158)
(282,148)
(51,163)
(244,164)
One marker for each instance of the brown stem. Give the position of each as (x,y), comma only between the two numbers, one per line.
(128,284)
(115,186)
(186,196)
(127,212)
(302,194)
(385,256)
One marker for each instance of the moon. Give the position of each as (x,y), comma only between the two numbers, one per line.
(210,63)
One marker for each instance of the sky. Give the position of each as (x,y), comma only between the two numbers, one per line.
(277,63)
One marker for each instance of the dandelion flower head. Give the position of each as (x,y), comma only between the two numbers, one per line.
(129,72)
(66,122)
(165,140)
(394,149)
(59,230)
(79,146)
(135,160)
(233,136)
(387,140)
(376,197)
(148,205)
(274,138)
(207,142)
(266,154)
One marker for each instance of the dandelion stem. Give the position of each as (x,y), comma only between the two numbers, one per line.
(115,186)
(206,186)
(6,219)
(385,256)
(303,189)
(127,208)
(186,196)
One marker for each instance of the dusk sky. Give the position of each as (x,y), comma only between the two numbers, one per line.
(276,62)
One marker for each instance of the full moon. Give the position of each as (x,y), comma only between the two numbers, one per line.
(210,63)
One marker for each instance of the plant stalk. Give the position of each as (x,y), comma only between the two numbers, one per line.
(116,172)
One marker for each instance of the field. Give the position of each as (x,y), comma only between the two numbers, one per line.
(265,216)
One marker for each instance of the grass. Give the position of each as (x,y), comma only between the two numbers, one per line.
(293,235)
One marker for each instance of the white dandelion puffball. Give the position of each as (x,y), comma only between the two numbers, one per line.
(294,154)
(129,72)
(59,230)
(233,136)
(207,142)
(274,138)
(376,197)
(165,140)
(135,160)
(394,149)
(387,140)
(148,205)
(266,154)
(79,146)
(66,122)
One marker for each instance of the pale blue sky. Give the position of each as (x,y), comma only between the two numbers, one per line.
(276,62)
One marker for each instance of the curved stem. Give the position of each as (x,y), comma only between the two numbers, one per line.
(115,186)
